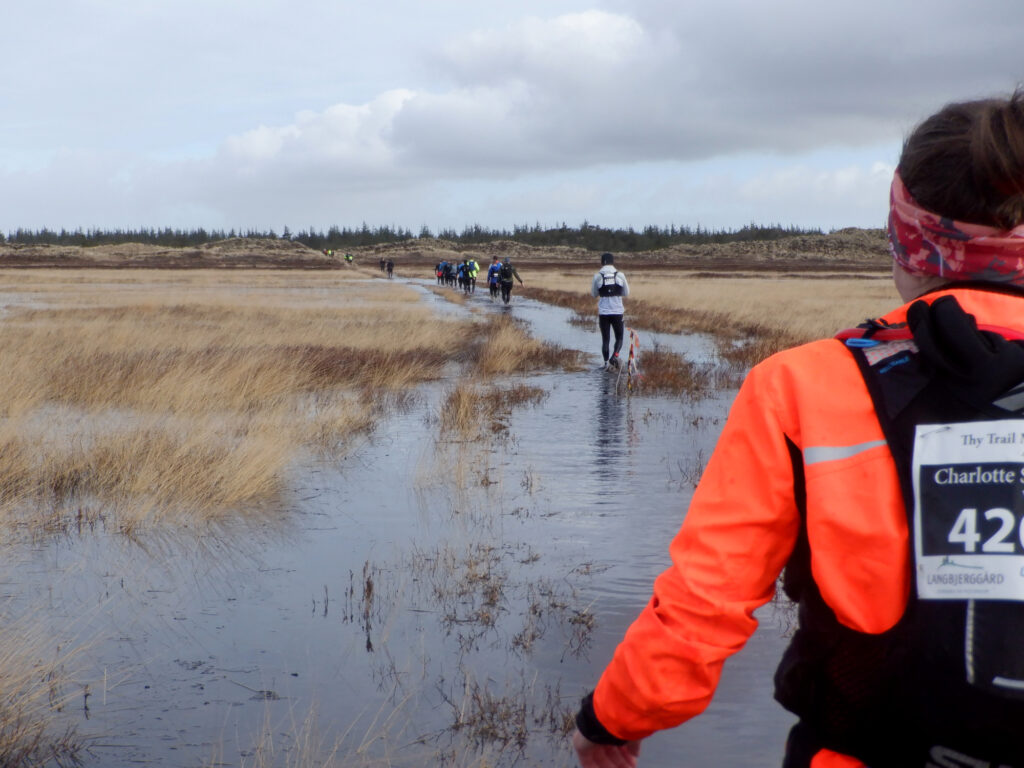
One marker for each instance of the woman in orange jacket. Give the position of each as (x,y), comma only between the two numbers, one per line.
(882,474)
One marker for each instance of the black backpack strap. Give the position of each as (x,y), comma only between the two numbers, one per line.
(978,365)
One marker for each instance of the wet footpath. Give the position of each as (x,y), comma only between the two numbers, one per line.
(424,601)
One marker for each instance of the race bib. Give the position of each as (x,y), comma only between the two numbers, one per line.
(969,510)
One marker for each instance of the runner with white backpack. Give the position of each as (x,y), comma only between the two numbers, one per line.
(609,287)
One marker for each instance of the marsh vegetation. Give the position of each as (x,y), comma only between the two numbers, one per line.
(148,401)
(148,397)
(372,532)
(751,315)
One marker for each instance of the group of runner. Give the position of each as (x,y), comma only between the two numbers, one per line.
(462,272)
(500,276)
(388,267)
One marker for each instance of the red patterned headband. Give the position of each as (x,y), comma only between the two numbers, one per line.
(924,243)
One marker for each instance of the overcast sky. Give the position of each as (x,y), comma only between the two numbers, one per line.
(447,113)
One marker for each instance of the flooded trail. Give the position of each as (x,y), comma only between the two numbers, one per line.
(423,601)
(618,473)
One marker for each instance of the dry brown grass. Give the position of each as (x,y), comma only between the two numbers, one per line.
(665,371)
(797,307)
(766,312)
(145,397)
(461,409)
(507,348)
(471,409)
(474,406)
(155,395)
(450,294)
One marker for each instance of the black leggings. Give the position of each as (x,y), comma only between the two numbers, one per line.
(607,324)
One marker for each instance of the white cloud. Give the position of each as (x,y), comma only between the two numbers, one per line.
(599,87)
(539,94)
(343,137)
(295,110)
(578,48)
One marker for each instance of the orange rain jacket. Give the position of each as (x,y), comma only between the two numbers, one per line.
(742,525)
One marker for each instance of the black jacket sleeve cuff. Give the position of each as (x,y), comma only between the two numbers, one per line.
(591,728)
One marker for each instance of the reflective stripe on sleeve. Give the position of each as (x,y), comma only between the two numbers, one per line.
(818,454)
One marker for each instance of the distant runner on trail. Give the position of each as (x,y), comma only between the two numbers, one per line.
(609,286)
(390,268)
(494,277)
(876,477)
(505,274)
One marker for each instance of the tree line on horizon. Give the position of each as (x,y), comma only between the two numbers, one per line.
(588,236)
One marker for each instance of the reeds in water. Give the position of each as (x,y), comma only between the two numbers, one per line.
(195,402)
(38,683)
(506,348)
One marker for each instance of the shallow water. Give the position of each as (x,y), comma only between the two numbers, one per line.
(618,459)
(420,596)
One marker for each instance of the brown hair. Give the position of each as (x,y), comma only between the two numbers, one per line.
(966,161)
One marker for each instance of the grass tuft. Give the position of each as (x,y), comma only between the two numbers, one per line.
(507,348)
(665,371)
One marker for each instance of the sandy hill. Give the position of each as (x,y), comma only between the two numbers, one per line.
(843,250)
(235,252)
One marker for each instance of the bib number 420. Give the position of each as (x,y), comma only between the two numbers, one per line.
(1001,541)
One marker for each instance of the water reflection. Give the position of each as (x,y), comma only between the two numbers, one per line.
(610,440)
